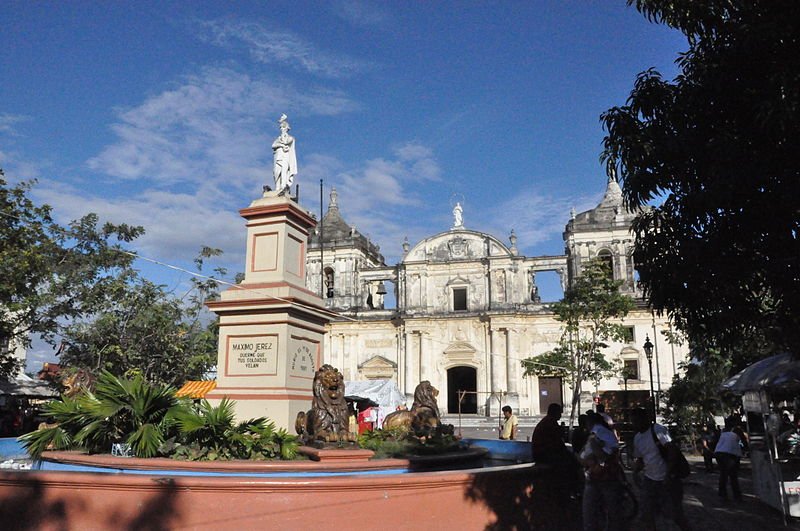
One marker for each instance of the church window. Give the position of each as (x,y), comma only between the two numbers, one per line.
(329,282)
(459,299)
(627,335)
(631,369)
(605,256)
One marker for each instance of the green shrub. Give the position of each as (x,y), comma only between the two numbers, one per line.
(120,410)
(210,433)
(153,421)
(400,443)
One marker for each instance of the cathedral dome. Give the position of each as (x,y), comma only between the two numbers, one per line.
(335,232)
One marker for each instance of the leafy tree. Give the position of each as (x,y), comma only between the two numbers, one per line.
(716,150)
(590,312)
(143,329)
(694,398)
(52,274)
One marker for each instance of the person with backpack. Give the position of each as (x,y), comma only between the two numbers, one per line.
(663,465)
(602,494)
(728,453)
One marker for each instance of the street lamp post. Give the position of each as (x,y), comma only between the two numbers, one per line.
(648,352)
(625,380)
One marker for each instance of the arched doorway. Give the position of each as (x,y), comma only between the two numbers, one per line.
(462,379)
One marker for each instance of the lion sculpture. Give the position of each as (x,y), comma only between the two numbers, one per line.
(78,382)
(328,419)
(423,418)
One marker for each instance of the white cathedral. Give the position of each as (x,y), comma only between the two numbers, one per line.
(468,311)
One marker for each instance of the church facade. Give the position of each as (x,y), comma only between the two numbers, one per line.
(467,311)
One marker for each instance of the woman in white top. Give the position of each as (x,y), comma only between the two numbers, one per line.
(728,453)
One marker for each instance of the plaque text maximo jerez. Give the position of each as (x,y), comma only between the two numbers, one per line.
(252,355)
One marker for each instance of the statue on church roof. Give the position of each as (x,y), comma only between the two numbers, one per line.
(458,220)
(334,201)
(285,158)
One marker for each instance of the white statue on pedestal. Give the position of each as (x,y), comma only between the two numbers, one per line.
(285,158)
(458,220)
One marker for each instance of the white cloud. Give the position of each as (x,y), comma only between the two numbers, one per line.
(535,216)
(215,127)
(17,168)
(176,224)
(15,165)
(275,45)
(381,197)
(8,121)
(360,12)
(39,353)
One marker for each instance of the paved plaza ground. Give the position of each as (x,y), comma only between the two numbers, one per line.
(706,511)
(703,507)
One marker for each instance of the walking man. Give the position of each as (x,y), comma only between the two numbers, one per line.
(728,453)
(548,448)
(602,494)
(660,488)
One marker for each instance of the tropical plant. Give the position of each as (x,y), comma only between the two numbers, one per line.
(119,410)
(68,418)
(129,411)
(694,398)
(209,432)
(590,312)
(386,443)
(154,422)
(398,442)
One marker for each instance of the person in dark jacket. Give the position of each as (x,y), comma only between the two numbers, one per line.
(547,444)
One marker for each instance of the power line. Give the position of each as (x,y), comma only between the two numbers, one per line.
(273,297)
(196,274)
(260,291)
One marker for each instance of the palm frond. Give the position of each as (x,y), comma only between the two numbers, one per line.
(39,441)
(146,440)
(97,435)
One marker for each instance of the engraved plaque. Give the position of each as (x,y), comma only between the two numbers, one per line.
(252,355)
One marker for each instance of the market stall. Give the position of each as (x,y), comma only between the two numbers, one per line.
(770,391)
(20,398)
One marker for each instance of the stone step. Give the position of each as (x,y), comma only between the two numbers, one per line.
(480,421)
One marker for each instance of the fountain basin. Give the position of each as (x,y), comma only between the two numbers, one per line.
(104,492)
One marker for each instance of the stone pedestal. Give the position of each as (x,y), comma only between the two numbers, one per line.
(271,326)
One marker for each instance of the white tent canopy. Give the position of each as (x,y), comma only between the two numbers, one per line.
(25,386)
(384,392)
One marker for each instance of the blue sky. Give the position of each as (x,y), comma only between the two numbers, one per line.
(163,113)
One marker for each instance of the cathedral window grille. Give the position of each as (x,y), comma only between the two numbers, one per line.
(329,282)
